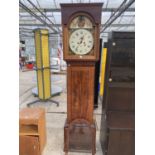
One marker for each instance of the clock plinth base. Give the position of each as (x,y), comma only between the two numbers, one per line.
(80,137)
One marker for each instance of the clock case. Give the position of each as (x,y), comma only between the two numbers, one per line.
(80,126)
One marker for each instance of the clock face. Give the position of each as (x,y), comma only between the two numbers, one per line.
(81,41)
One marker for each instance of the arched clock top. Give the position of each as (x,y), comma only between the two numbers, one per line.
(81,20)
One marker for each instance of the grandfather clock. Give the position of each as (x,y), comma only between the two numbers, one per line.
(81,30)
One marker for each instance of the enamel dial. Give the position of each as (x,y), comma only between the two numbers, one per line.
(81,41)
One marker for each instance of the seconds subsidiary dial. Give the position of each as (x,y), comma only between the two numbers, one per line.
(81,41)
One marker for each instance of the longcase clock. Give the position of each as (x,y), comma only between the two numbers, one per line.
(81,30)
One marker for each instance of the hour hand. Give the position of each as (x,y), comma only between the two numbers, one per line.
(81,40)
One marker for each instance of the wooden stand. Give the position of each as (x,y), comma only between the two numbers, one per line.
(32,132)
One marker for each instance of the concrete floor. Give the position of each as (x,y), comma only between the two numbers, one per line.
(55,116)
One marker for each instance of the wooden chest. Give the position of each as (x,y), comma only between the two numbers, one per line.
(32,131)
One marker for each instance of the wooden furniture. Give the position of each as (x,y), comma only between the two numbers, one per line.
(32,131)
(81,28)
(120,98)
(120,138)
(120,66)
(117,124)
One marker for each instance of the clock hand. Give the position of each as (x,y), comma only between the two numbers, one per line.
(81,39)
(76,48)
(79,43)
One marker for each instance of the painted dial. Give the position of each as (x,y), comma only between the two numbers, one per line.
(81,41)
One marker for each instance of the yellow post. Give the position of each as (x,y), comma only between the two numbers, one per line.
(102,72)
(43,63)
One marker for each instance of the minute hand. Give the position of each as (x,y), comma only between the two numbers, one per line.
(81,41)
(82,38)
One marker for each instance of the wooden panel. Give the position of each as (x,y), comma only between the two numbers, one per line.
(121,120)
(80,137)
(121,98)
(29,145)
(28,130)
(121,143)
(122,74)
(42,131)
(121,129)
(30,115)
(80,92)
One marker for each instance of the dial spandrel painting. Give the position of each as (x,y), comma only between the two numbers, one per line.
(81,22)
